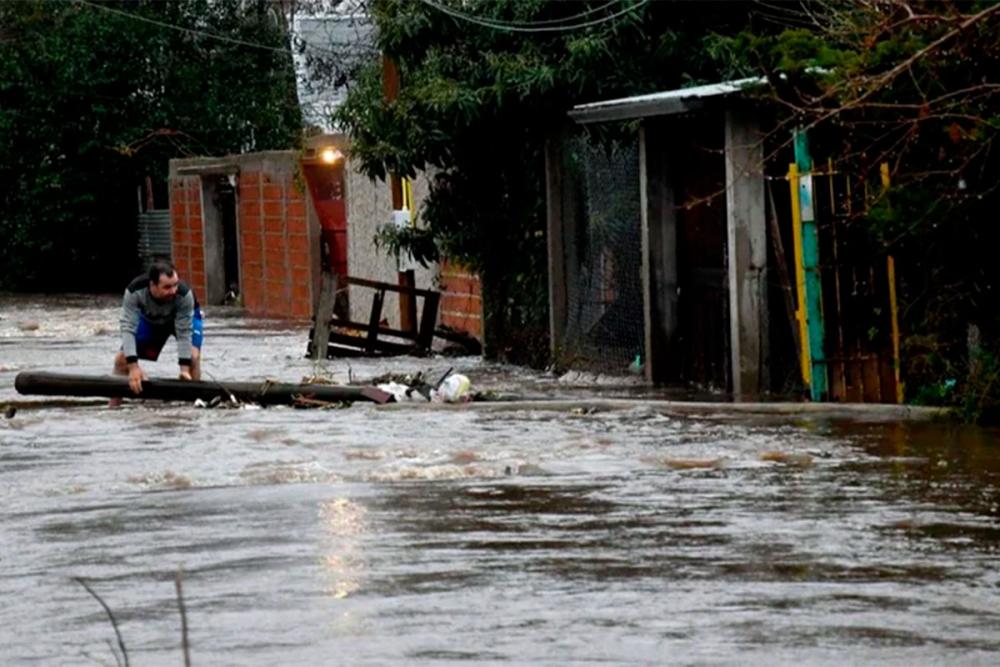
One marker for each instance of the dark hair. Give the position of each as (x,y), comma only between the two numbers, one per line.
(161,266)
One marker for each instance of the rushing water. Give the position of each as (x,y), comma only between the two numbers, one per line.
(371,536)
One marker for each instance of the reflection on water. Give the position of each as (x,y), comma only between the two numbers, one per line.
(369,536)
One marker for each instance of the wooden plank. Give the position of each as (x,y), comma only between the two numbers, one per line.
(556,225)
(407,302)
(370,347)
(428,321)
(659,255)
(887,378)
(855,391)
(746,227)
(323,314)
(872,392)
(373,321)
(358,326)
(838,375)
(388,287)
(116,386)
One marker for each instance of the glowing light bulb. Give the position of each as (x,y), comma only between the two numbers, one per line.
(330,155)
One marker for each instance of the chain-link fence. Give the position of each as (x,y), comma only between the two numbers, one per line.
(604,328)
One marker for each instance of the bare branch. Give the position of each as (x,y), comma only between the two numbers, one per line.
(185,646)
(111,617)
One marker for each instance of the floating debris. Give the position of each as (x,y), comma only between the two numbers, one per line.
(797,459)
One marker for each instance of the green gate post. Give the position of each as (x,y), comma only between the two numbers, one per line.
(810,260)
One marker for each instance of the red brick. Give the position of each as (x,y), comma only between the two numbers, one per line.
(301,276)
(296,225)
(464,304)
(298,243)
(274,255)
(296,209)
(460,285)
(197,238)
(272,193)
(252,270)
(275,208)
(182,236)
(252,253)
(276,289)
(274,225)
(198,263)
(251,225)
(250,282)
(249,178)
(301,309)
(273,240)
(301,292)
(299,259)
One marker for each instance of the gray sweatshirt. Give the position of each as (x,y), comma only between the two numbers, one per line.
(177,313)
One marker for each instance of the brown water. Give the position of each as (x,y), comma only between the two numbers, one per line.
(369,536)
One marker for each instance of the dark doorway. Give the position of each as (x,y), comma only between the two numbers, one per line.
(703,302)
(222,259)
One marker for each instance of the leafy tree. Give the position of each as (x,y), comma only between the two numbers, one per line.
(912,84)
(96,96)
(478,102)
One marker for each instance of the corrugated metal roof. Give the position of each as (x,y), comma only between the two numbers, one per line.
(154,235)
(660,104)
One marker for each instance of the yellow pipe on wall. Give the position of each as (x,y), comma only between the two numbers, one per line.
(800,276)
(890,265)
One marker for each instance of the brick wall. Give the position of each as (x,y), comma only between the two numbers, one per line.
(187,232)
(461,300)
(275,261)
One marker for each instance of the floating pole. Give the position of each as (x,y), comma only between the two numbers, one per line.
(818,388)
(261,393)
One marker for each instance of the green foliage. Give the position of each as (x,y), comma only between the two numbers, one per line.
(93,101)
(477,105)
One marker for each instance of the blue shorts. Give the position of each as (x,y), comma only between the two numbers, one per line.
(150,338)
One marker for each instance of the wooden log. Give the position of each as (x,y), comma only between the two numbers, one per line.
(262,393)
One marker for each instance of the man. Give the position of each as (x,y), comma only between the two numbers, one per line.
(156,306)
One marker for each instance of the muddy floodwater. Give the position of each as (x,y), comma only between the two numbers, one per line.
(389,536)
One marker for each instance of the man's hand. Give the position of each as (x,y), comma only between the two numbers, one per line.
(185,373)
(135,378)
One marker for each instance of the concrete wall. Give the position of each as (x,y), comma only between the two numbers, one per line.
(369,207)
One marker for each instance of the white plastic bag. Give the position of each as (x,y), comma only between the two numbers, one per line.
(454,389)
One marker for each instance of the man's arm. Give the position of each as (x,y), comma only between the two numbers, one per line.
(182,330)
(129,323)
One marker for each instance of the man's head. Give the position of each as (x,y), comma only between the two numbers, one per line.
(163,280)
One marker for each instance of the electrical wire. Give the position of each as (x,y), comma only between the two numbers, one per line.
(194,31)
(564,19)
(500,25)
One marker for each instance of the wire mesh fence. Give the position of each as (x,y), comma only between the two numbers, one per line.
(605,328)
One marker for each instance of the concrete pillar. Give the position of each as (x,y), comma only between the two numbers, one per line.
(747,253)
